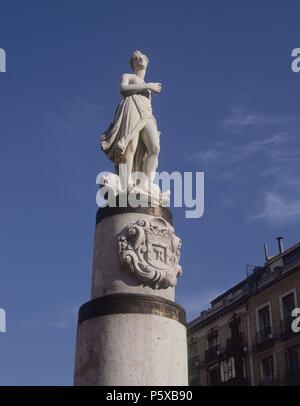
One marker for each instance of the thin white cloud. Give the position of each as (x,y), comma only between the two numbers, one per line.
(232,153)
(284,177)
(268,145)
(209,155)
(239,120)
(266,159)
(278,209)
(229,202)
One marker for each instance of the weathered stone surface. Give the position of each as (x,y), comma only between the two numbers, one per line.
(108,271)
(131,349)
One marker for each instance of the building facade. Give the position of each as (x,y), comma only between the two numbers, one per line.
(249,335)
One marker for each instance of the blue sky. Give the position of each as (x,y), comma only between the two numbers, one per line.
(229,107)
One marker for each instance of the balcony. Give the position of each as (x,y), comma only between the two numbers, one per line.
(235,344)
(286,328)
(212,354)
(264,339)
(292,377)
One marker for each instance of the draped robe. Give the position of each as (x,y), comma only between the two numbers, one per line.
(132,114)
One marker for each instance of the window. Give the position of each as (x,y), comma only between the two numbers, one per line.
(193,360)
(235,340)
(292,359)
(235,327)
(264,322)
(228,369)
(214,376)
(192,347)
(212,339)
(212,352)
(292,373)
(268,370)
(287,305)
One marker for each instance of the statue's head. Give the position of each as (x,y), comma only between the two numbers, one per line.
(138,61)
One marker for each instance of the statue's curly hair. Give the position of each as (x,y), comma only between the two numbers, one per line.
(134,55)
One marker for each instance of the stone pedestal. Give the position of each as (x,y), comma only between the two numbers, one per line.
(132,332)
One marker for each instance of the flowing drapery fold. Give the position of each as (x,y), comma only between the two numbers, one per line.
(132,114)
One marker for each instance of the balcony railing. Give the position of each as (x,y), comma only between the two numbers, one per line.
(264,339)
(212,354)
(286,328)
(235,344)
(292,377)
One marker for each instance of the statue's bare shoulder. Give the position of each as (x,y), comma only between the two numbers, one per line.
(129,78)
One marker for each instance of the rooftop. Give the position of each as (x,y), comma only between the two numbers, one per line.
(258,277)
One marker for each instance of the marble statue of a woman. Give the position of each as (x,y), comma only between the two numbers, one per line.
(133,138)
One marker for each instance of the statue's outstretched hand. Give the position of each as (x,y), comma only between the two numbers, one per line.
(154,87)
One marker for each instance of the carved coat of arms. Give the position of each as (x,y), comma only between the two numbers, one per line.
(151,251)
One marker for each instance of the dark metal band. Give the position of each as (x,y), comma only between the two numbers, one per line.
(107,211)
(124,303)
